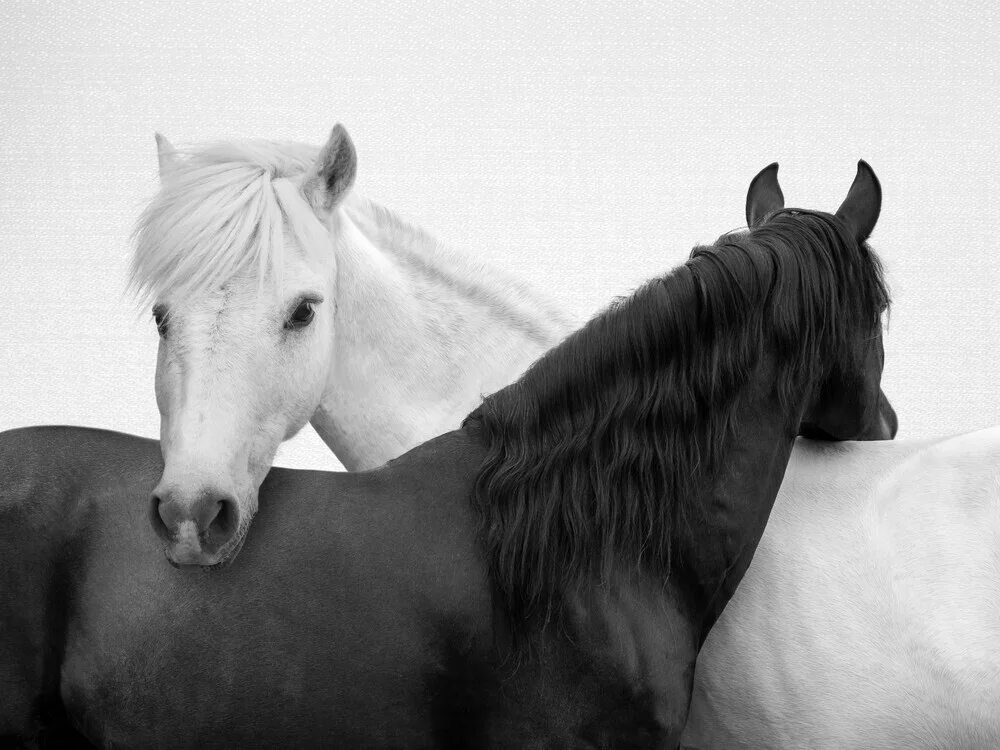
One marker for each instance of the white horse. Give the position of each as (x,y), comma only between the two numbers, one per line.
(870,616)
(283,298)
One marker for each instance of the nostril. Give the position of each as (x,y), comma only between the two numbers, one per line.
(156,517)
(225,521)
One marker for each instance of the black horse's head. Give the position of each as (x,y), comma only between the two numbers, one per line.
(845,407)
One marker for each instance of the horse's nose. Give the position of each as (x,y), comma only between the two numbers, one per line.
(194,525)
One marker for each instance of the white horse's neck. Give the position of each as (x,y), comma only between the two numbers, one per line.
(422,333)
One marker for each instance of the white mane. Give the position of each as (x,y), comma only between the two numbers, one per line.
(426,260)
(221,211)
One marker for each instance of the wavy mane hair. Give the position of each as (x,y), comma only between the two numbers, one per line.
(594,457)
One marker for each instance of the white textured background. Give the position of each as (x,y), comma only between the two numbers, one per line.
(590,146)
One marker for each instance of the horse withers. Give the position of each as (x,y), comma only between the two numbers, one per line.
(545,574)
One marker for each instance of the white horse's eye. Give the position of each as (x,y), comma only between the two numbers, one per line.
(160,318)
(302,315)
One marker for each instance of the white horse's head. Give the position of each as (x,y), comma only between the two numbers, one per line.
(236,255)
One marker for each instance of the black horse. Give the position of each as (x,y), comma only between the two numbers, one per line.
(542,577)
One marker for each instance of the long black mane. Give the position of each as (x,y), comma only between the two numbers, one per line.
(592,457)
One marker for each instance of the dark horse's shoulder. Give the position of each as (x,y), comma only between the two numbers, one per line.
(641,640)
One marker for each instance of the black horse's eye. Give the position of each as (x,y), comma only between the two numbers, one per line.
(160,318)
(302,315)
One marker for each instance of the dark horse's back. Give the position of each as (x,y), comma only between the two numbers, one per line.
(354,613)
(50,477)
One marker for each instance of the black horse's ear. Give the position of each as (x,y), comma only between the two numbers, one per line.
(863,203)
(764,195)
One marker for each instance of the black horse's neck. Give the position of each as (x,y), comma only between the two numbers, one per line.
(736,501)
(663,424)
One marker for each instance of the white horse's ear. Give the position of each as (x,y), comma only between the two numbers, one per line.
(166,154)
(333,175)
